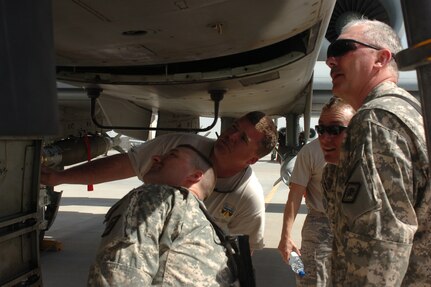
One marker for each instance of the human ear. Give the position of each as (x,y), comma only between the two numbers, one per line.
(252,160)
(384,57)
(196,176)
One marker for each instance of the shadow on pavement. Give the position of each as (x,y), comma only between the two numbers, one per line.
(279,208)
(270,267)
(87,201)
(79,234)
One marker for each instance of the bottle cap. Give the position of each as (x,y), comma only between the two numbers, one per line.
(301,273)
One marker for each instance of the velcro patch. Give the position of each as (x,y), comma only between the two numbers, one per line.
(351,192)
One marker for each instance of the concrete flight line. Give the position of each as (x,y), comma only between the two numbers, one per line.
(270,195)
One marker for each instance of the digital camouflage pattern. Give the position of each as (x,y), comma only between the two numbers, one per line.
(316,250)
(157,235)
(316,243)
(238,207)
(380,210)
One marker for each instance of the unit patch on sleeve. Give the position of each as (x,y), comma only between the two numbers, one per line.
(351,192)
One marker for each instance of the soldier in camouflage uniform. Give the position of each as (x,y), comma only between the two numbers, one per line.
(157,234)
(380,209)
(237,204)
(316,245)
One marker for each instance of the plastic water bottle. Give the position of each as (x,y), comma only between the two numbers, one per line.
(296,264)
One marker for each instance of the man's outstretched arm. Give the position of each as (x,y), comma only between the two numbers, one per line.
(110,168)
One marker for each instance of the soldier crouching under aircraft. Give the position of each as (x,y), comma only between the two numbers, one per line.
(237,203)
(158,235)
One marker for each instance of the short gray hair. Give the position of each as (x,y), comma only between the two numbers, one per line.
(380,35)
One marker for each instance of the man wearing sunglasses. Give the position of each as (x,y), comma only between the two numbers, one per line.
(316,244)
(380,207)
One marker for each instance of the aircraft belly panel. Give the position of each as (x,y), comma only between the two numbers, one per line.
(156,32)
(273,93)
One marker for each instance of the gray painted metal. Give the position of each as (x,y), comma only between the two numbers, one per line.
(20,214)
(27,86)
(28,111)
(418,29)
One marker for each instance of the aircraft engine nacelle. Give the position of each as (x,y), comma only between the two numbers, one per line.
(387,11)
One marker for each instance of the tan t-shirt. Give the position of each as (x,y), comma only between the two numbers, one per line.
(308,173)
(238,205)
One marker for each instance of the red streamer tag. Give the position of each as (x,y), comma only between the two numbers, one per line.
(88,146)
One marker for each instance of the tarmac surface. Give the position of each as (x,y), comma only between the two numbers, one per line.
(79,224)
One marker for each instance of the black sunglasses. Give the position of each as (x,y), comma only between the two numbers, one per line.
(340,47)
(333,130)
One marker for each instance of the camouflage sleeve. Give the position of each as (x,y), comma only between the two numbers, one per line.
(328,180)
(130,252)
(376,204)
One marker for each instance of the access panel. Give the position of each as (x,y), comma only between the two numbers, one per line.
(20,214)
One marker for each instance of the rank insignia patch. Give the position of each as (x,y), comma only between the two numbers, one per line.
(351,191)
